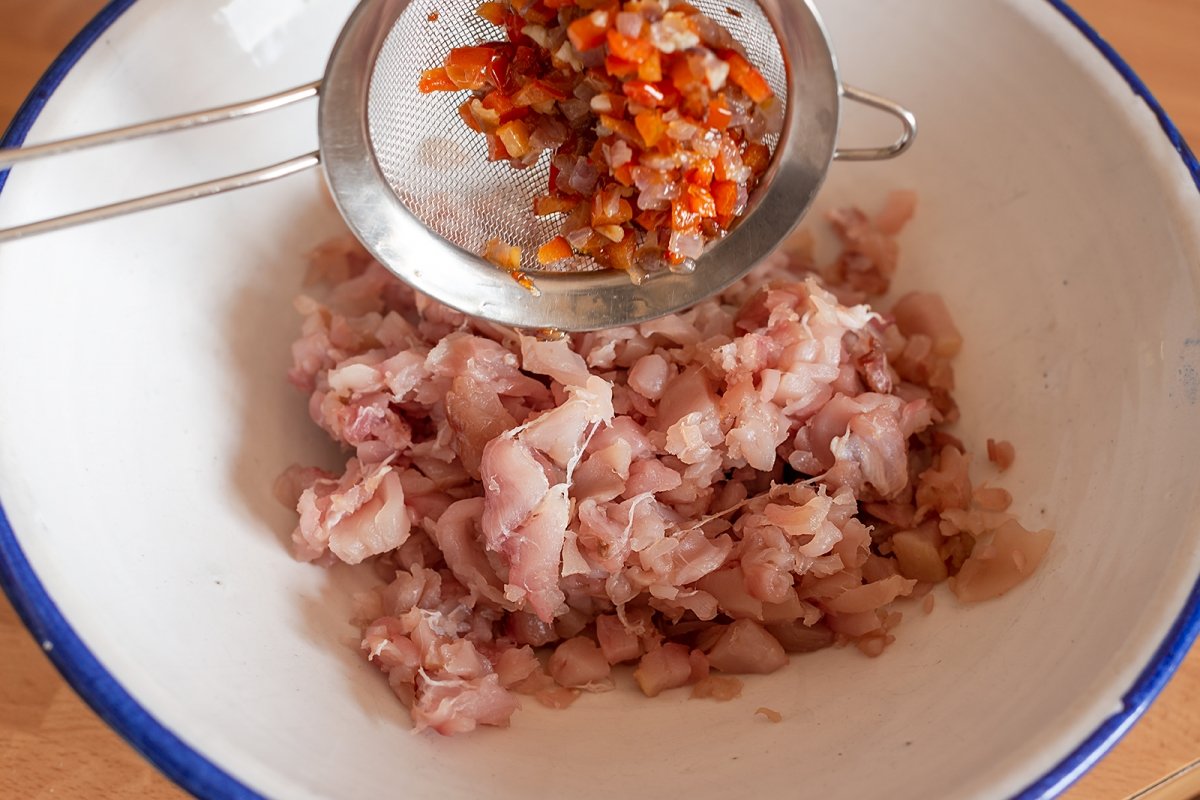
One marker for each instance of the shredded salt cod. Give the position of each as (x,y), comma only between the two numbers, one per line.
(704,495)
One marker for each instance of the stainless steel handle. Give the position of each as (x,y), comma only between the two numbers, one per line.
(906,117)
(13,156)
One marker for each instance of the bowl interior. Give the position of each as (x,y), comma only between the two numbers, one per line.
(144,415)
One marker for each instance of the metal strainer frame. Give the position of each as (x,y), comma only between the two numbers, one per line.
(440,168)
(462,279)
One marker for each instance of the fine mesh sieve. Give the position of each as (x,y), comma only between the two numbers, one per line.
(439,168)
(415,186)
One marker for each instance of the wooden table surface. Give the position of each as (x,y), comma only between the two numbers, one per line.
(52,745)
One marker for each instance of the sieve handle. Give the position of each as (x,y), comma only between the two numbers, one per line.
(906,117)
(16,155)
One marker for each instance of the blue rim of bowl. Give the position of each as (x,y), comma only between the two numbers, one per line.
(200,776)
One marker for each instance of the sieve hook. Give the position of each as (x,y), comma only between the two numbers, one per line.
(17,155)
(906,117)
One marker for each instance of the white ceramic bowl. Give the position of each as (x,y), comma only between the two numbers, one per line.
(143,416)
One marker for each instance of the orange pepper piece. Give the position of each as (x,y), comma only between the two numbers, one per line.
(623,215)
(702,173)
(757,157)
(630,49)
(651,220)
(619,67)
(621,127)
(650,126)
(539,14)
(506,110)
(515,137)
(495,13)
(471,67)
(464,111)
(682,76)
(556,249)
(700,201)
(547,204)
(743,73)
(588,32)
(643,93)
(624,174)
(620,254)
(650,69)
(435,80)
(724,194)
(719,114)
(535,92)
(682,216)
(502,254)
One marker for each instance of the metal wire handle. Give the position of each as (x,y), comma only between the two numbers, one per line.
(906,117)
(12,156)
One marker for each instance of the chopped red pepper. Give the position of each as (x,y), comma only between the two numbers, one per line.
(636,50)
(624,174)
(436,80)
(556,249)
(619,67)
(515,136)
(651,220)
(621,254)
(683,77)
(486,119)
(643,93)
(502,254)
(746,76)
(724,197)
(601,216)
(622,128)
(540,14)
(700,201)
(464,111)
(702,173)
(536,92)
(650,68)
(496,149)
(682,216)
(506,110)
(476,68)
(547,204)
(757,157)
(650,126)
(672,97)
(719,114)
(495,13)
(588,32)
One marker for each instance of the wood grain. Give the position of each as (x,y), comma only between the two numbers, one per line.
(52,745)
